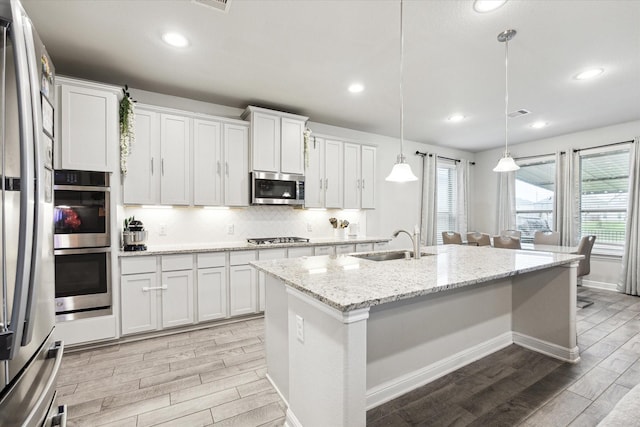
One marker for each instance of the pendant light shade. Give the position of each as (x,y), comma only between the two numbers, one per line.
(506,163)
(401,171)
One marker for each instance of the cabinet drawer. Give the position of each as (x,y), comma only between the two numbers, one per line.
(266,254)
(380,246)
(177,262)
(298,252)
(364,247)
(325,250)
(344,249)
(138,264)
(241,257)
(216,259)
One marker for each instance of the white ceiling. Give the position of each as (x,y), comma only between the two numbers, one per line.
(300,56)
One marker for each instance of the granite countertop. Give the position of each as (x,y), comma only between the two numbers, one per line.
(347,283)
(244,246)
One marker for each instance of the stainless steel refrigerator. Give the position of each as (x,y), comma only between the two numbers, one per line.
(29,357)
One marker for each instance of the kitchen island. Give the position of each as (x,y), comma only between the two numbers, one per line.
(346,334)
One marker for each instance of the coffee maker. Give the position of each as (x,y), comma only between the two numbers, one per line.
(134,236)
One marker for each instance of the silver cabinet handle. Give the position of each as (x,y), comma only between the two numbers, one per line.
(363,183)
(321,183)
(162,166)
(155,288)
(218,168)
(152,166)
(326,183)
(357,183)
(226,166)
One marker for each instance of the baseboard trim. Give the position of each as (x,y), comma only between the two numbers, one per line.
(273,384)
(600,285)
(397,387)
(291,420)
(571,355)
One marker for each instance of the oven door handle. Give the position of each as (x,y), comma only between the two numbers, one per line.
(82,188)
(155,288)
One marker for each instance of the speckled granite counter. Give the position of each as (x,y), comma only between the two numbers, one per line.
(244,246)
(347,283)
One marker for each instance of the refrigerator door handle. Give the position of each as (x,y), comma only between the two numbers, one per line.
(47,391)
(34,78)
(25,228)
(60,419)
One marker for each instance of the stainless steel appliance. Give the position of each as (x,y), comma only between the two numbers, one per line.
(134,236)
(29,357)
(81,209)
(268,188)
(83,283)
(276,240)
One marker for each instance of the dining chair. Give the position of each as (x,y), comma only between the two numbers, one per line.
(506,242)
(479,239)
(511,233)
(584,267)
(546,238)
(451,238)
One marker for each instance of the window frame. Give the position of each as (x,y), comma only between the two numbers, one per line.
(533,161)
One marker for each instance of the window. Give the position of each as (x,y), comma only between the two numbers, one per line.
(447,197)
(604,179)
(535,191)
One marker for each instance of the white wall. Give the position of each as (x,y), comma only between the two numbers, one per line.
(605,271)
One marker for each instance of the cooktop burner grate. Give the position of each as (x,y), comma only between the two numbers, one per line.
(275,240)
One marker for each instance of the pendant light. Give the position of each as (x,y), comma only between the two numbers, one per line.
(401,171)
(506,163)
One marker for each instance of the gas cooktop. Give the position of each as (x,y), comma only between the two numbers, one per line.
(275,240)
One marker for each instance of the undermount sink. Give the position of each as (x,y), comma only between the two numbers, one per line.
(388,256)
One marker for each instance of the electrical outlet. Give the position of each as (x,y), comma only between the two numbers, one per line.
(300,328)
(230,229)
(163,230)
(309,227)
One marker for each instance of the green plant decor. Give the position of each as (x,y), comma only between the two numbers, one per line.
(127,129)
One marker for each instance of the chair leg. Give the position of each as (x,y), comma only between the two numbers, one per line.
(583,302)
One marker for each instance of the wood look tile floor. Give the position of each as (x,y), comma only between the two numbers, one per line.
(216,376)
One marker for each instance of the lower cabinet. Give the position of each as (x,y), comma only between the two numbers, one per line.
(212,293)
(177,298)
(139,308)
(242,290)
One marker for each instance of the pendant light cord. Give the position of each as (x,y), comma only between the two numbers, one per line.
(506,97)
(401,92)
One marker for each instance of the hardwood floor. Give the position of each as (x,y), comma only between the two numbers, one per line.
(216,376)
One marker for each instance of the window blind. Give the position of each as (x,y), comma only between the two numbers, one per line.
(447,196)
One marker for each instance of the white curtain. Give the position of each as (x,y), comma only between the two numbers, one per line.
(506,201)
(429,214)
(567,197)
(631,257)
(463,193)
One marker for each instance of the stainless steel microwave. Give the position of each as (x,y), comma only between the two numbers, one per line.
(269,188)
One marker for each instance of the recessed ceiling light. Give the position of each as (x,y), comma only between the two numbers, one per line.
(356,88)
(538,125)
(456,118)
(175,39)
(484,6)
(589,74)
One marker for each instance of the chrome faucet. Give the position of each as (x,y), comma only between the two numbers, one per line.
(415,240)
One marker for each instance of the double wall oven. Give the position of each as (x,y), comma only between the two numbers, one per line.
(82,241)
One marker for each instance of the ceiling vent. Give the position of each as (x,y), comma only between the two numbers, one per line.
(221,5)
(518,113)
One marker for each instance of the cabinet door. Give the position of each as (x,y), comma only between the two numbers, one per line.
(139,303)
(175,147)
(141,183)
(344,249)
(368,178)
(314,175)
(242,290)
(177,298)
(292,146)
(236,165)
(351,176)
(89,134)
(207,163)
(265,142)
(212,293)
(333,174)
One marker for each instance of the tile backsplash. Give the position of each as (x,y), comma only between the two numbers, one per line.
(203,226)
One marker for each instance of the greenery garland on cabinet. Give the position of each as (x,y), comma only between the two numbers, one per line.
(127,130)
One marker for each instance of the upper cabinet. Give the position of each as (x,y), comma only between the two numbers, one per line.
(87,137)
(359,176)
(277,141)
(324,174)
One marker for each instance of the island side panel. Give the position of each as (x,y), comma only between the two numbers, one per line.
(327,369)
(276,325)
(413,342)
(544,311)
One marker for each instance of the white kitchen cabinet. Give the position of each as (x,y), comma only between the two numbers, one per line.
(175,174)
(301,251)
(141,183)
(207,163)
(212,286)
(267,254)
(364,247)
(242,283)
(359,176)
(236,165)
(325,250)
(138,303)
(381,246)
(277,143)
(177,298)
(368,177)
(324,174)
(89,127)
(352,176)
(344,249)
